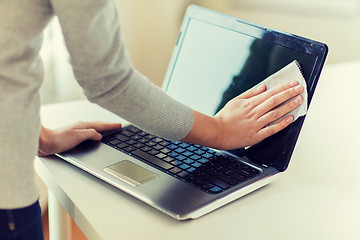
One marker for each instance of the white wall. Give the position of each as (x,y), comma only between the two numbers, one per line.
(151,27)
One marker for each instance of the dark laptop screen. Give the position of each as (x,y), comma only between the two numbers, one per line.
(215,64)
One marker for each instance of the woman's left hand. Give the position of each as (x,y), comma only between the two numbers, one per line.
(65,138)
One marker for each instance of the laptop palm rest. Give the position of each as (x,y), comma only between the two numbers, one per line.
(130,173)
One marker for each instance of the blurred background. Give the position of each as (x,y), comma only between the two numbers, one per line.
(151,28)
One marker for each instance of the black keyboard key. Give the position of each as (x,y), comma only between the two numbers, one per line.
(184,166)
(187,153)
(203,160)
(207,155)
(168,159)
(145,148)
(181,158)
(133,129)
(157,140)
(142,133)
(246,173)
(184,145)
(164,143)
(188,161)
(160,155)
(143,140)
(213,172)
(216,181)
(158,147)
(114,142)
(150,136)
(129,149)
(139,145)
(220,168)
(206,186)
(150,144)
(172,146)
(165,150)
(136,137)
(195,157)
(239,177)
(127,133)
(154,160)
(175,170)
(196,164)
(215,189)
(153,152)
(122,145)
(227,179)
(173,154)
(234,166)
(199,152)
(183,174)
(176,162)
(179,150)
(122,137)
(192,148)
(131,142)
(228,172)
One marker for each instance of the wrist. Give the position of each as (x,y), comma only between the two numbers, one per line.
(217,132)
(205,131)
(45,141)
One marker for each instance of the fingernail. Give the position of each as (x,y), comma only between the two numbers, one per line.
(298,100)
(293,83)
(299,88)
(290,119)
(260,88)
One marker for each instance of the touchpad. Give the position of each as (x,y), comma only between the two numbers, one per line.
(130,172)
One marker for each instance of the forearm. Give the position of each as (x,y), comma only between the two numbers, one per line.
(103,69)
(204,131)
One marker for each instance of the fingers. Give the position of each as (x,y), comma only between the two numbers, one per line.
(278,99)
(98,126)
(252,92)
(286,91)
(275,128)
(281,111)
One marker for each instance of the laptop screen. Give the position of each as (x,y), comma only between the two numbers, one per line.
(215,63)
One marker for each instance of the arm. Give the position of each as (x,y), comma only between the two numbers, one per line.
(103,69)
(242,122)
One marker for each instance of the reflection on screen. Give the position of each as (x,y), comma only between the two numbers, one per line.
(216,64)
(209,54)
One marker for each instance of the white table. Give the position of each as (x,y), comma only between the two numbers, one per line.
(317,198)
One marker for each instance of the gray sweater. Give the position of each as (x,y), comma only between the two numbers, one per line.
(100,64)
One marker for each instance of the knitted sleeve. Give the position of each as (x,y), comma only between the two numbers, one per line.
(102,67)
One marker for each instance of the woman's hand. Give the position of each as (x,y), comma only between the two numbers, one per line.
(244,121)
(66,138)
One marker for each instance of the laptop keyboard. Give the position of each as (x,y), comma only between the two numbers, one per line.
(199,166)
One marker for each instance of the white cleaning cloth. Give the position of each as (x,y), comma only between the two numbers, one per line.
(291,72)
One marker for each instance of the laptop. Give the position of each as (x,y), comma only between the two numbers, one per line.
(216,58)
